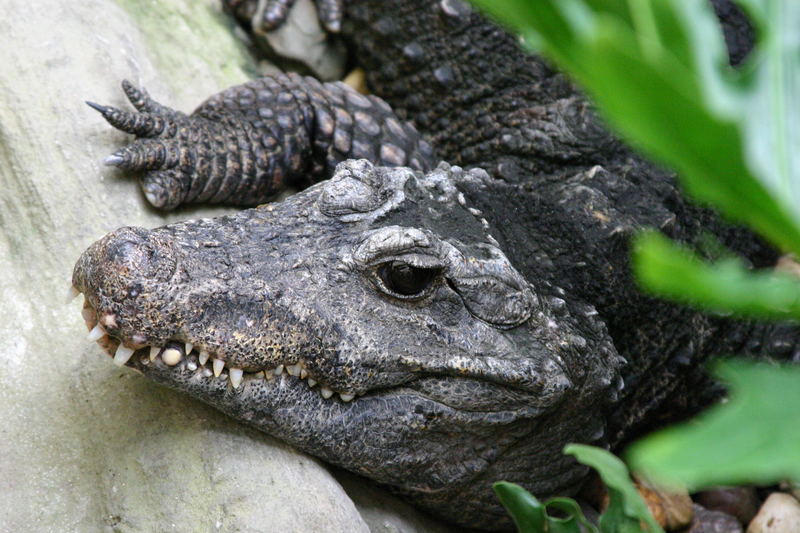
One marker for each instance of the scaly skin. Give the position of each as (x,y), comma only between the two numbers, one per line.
(434,330)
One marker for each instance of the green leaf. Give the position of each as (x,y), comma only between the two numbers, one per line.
(754,437)
(530,515)
(627,511)
(657,70)
(771,102)
(669,270)
(527,512)
(574,517)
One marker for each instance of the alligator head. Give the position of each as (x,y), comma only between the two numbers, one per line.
(371,320)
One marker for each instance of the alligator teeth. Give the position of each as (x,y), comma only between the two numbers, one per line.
(235,375)
(97,333)
(174,354)
(72,294)
(171,356)
(88,314)
(122,355)
(218,365)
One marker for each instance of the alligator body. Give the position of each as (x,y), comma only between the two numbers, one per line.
(433,328)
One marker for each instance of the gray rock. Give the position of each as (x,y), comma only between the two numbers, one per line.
(706,521)
(85,446)
(741,502)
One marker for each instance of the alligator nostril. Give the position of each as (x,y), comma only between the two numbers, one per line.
(127,246)
(120,251)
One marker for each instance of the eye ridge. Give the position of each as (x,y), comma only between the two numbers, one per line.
(406,280)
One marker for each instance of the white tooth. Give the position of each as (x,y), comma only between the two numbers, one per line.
(188,348)
(326,392)
(278,370)
(191,365)
(218,365)
(122,355)
(236,377)
(203,357)
(346,397)
(207,372)
(303,373)
(268,374)
(154,351)
(311,382)
(72,294)
(171,356)
(97,333)
(293,370)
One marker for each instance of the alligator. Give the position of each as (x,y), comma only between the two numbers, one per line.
(447,301)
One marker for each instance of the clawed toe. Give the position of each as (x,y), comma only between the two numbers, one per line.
(141,124)
(141,100)
(146,154)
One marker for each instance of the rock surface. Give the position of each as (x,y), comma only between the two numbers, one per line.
(85,446)
(780,513)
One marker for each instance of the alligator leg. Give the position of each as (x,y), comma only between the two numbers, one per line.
(244,145)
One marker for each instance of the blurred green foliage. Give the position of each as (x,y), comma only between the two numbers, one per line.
(658,71)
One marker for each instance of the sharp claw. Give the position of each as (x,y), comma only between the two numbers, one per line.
(101,108)
(113,160)
(333,26)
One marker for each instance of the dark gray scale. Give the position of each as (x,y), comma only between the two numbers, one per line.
(245,144)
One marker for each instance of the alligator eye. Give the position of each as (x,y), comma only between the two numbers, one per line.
(406,280)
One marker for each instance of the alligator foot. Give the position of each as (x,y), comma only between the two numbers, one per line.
(266,15)
(182,156)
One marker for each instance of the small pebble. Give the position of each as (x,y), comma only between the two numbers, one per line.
(706,521)
(779,514)
(741,502)
(357,79)
(672,508)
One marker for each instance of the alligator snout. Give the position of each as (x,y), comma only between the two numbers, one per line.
(126,246)
(121,276)
(125,255)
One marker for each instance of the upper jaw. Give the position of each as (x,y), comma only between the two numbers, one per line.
(178,356)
